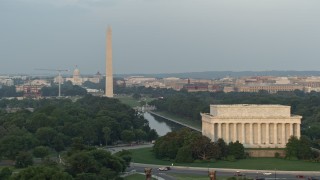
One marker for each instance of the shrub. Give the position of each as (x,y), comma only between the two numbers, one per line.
(276,155)
(184,155)
(231,158)
(24,159)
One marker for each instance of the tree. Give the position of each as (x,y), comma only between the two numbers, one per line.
(184,155)
(42,172)
(99,162)
(5,173)
(81,162)
(127,135)
(77,144)
(136,96)
(125,155)
(236,149)
(140,134)
(292,147)
(46,136)
(106,133)
(58,142)
(304,150)
(152,135)
(24,159)
(223,147)
(41,152)
(11,145)
(204,149)
(298,148)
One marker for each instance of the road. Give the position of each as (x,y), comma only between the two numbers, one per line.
(254,174)
(220,172)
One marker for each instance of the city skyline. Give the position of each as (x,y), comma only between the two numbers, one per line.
(159,36)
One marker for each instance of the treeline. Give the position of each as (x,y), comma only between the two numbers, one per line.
(9,91)
(191,104)
(186,146)
(67,89)
(189,146)
(152,92)
(61,125)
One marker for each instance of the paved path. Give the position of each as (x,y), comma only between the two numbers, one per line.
(183,124)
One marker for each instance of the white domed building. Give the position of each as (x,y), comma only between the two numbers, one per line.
(76,78)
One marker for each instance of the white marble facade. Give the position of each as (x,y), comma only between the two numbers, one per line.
(255,126)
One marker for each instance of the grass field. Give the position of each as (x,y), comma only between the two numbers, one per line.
(188,177)
(193,177)
(193,123)
(130,101)
(145,155)
(135,177)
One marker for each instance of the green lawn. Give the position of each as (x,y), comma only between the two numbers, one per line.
(188,177)
(135,177)
(130,101)
(188,121)
(145,155)
(193,177)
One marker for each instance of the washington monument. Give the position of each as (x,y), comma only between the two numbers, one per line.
(109,75)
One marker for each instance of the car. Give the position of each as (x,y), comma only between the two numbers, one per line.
(300,176)
(238,173)
(267,173)
(164,168)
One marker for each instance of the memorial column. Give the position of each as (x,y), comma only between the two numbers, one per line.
(251,133)
(259,133)
(291,129)
(283,133)
(213,133)
(235,133)
(219,130)
(298,131)
(275,134)
(267,133)
(243,133)
(227,132)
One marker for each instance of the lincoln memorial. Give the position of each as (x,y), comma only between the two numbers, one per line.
(255,126)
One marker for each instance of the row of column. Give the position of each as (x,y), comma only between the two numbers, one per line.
(255,133)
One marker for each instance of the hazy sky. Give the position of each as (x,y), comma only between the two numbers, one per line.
(160,36)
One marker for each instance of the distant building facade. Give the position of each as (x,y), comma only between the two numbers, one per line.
(76,78)
(255,126)
(270,88)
